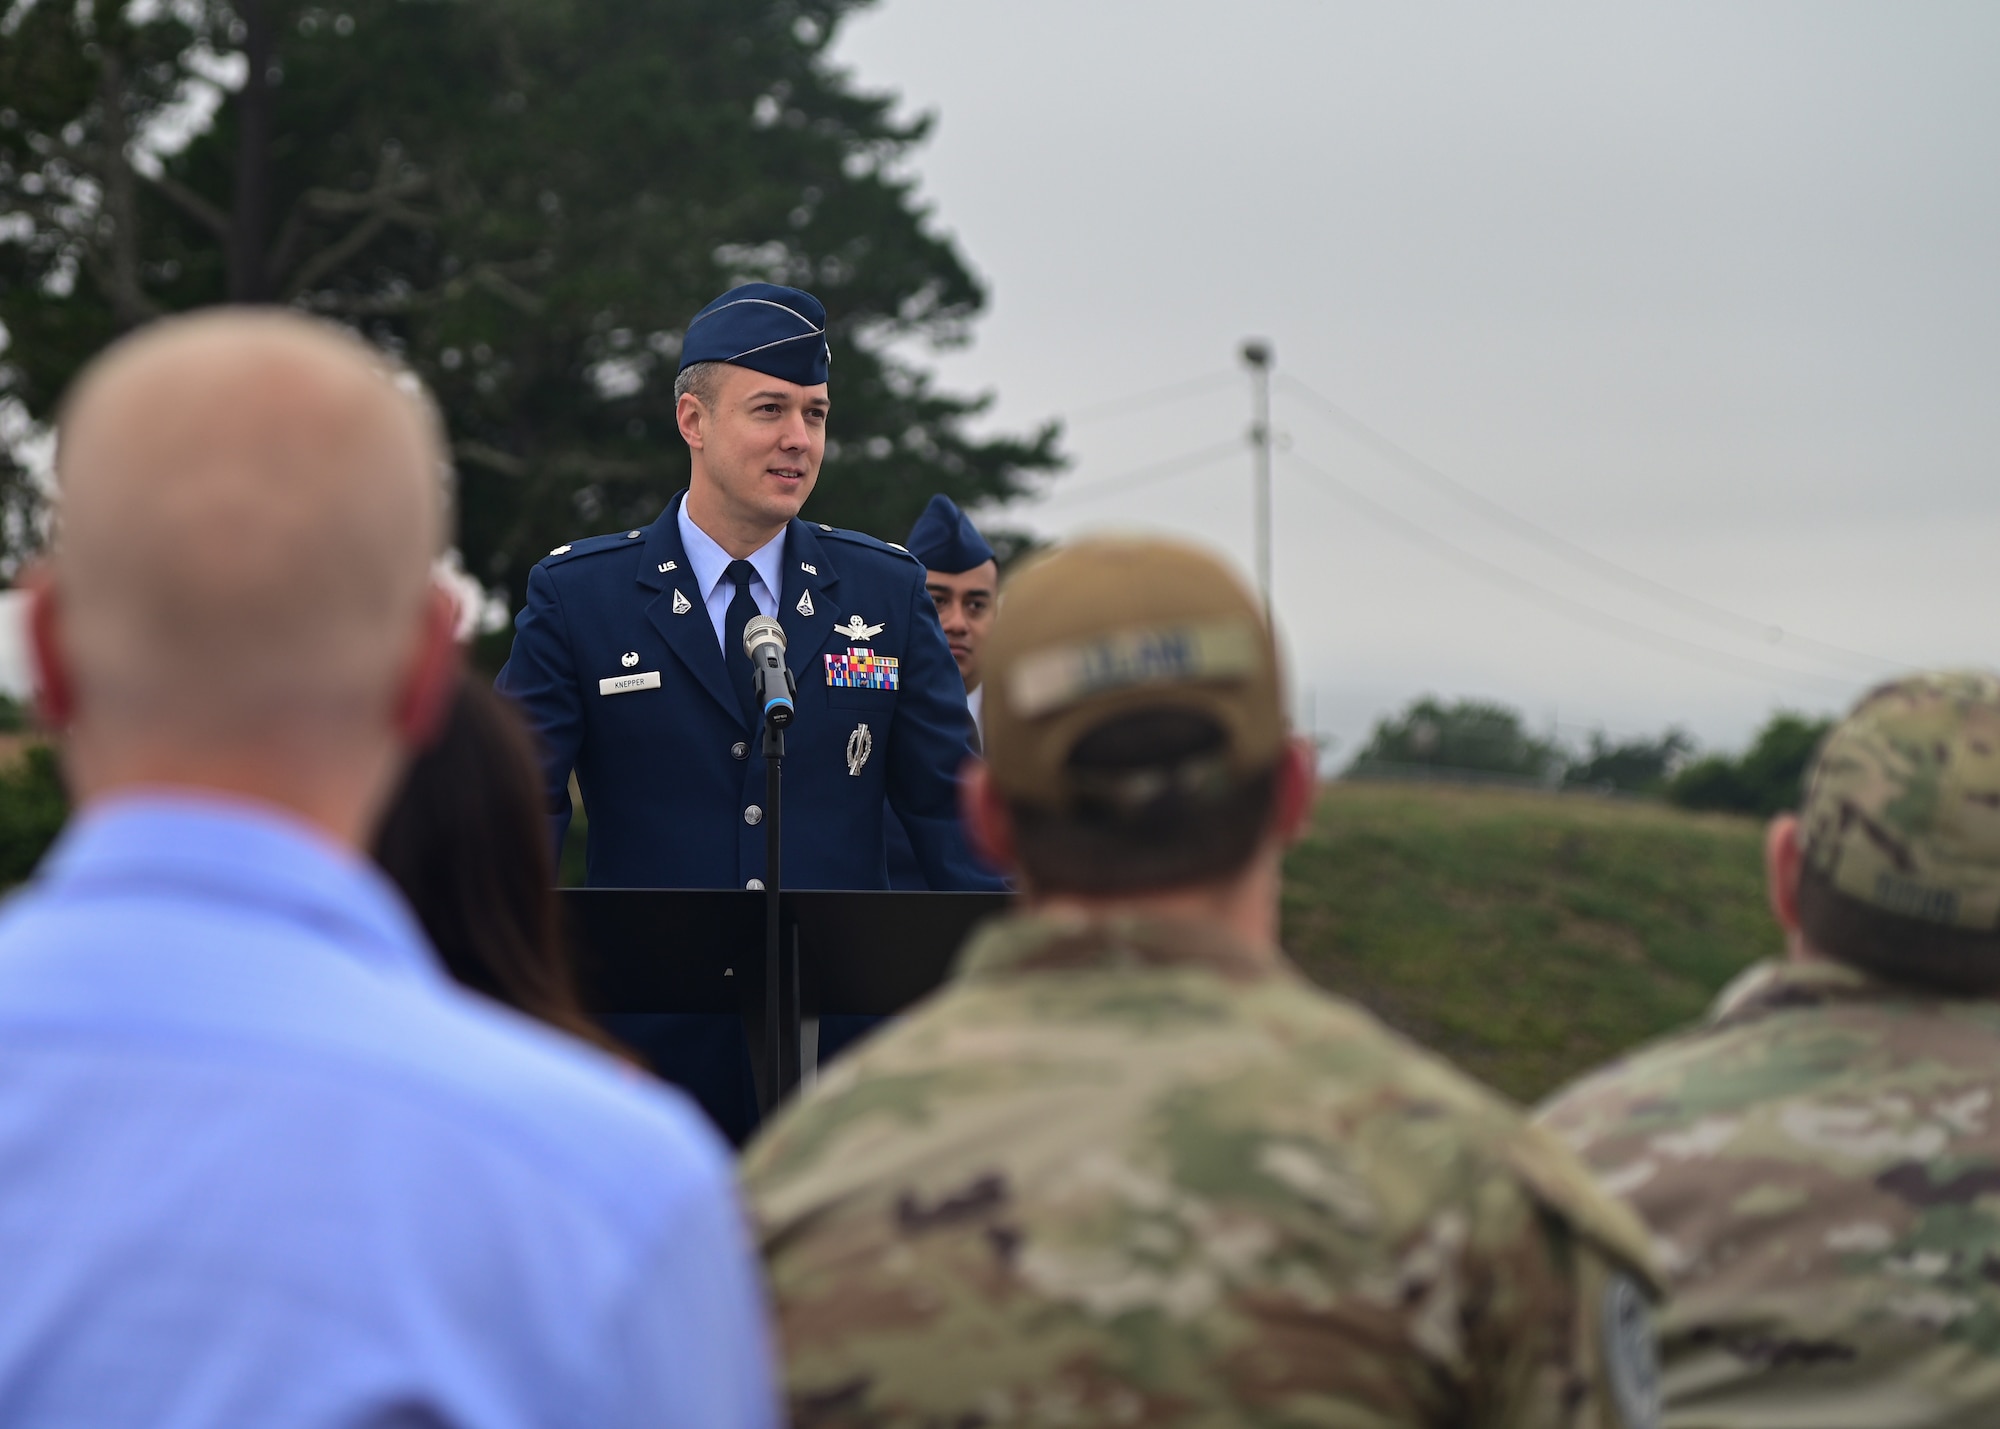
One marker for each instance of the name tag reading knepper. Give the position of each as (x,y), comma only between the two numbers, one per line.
(626,684)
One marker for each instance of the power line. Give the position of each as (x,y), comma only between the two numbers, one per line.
(1151,397)
(1574,609)
(1564,548)
(1172,466)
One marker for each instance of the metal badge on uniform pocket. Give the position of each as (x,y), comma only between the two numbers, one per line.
(860,745)
(862,670)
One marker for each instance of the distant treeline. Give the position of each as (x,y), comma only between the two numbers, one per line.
(1490,741)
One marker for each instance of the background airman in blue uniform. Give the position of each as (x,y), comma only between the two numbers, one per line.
(628,662)
(962,577)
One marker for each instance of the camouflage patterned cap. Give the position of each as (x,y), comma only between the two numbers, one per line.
(1108,627)
(1902,811)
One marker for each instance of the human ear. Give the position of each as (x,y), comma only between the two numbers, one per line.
(430,680)
(692,418)
(1784,859)
(1297,784)
(989,824)
(55,690)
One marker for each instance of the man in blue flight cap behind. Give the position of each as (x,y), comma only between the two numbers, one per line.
(628,660)
(963,579)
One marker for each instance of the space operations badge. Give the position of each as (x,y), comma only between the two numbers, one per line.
(861,670)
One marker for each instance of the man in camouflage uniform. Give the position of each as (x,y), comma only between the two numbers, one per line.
(1819,1161)
(1129,1167)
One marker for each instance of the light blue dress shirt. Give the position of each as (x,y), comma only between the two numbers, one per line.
(262,1163)
(710,563)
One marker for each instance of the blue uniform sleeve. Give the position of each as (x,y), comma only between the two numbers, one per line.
(931,739)
(692,1344)
(540,678)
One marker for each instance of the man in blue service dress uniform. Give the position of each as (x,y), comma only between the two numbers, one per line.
(628,660)
(963,580)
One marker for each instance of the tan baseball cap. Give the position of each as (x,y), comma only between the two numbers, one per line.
(1109,627)
(1902,811)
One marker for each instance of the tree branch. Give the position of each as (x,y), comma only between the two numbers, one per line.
(492,458)
(379,205)
(119,276)
(328,259)
(491,277)
(189,202)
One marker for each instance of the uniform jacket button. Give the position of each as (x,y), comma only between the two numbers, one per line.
(755,885)
(753,815)
(739,750)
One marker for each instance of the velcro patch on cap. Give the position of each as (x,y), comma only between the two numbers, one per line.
(1050,680)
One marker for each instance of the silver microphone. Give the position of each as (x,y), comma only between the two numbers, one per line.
(764,643)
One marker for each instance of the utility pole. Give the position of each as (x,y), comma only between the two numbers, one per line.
(1257,355)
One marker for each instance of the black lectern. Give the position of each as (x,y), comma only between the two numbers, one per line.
(703,951)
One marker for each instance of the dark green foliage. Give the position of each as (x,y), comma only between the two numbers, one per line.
(1527,936)
(1634,766)
(1470,735)
(32,809)
(527,200)
(1769,778)
(14,716)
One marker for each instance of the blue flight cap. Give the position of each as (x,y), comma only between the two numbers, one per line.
(945,539)
(780,332)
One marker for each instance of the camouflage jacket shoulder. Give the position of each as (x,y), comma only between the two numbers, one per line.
(1181,1185)
(1818,1164)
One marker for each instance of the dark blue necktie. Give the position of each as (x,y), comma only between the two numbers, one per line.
(742,610)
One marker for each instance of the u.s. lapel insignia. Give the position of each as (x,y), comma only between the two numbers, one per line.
(860,745)
(806,601)
(681,605)
(857,629)
(666,566)
(809,570)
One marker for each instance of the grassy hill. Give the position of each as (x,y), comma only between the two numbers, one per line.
(1526,936)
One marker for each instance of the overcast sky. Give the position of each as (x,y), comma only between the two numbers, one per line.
(1709,291)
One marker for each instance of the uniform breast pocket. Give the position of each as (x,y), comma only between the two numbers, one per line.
(862,679)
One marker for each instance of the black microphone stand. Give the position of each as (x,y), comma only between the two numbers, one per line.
(774,1060)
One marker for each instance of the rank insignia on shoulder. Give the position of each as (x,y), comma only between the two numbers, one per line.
(806,601)
(862,670)
(560,551)
(857,629)
(681,604)
(666,566)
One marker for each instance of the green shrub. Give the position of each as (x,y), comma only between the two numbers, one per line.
(1768,779)
(1472,735)
(33,805)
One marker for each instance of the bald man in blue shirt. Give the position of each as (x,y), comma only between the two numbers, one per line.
(261,1162)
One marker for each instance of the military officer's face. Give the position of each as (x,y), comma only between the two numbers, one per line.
(965,604)
(760,445)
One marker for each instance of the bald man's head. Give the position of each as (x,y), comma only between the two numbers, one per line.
(248,506)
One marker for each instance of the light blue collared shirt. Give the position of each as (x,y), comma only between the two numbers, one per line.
(262,1163)
(710,563)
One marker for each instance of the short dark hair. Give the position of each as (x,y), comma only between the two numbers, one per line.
(1932,957)
(1155,809)
(701,378)
(467,842)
